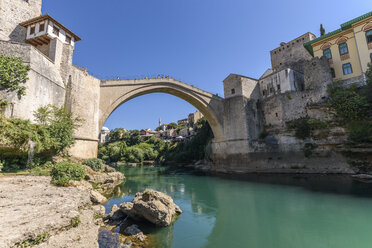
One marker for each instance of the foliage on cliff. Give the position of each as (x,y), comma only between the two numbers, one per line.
(130,147)
(353,107)
(304,127)
(51,135)
(13,73)
(192,150)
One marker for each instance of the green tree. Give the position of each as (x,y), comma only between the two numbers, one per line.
(322,30)
(172,125)
(348,103)
(13,74)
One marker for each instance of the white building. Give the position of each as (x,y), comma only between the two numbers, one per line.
(42,32)
(104,135)
(278,82)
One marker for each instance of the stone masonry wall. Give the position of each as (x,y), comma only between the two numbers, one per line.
(83,100)
(282,108)
(45,85)
(14,12)
(290,52)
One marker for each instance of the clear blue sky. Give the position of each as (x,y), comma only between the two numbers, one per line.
(199,42)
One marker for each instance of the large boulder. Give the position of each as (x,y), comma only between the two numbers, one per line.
(154,206)
(97,198)
(106,180)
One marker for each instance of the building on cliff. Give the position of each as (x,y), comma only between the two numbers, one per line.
(348,49)
(47,47)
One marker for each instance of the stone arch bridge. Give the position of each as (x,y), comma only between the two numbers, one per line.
(113,93)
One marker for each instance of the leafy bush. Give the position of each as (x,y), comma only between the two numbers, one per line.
(133,148)
(360,131)
(63,172)
(52,135)
(348,103)
(304,127)
(95,163)
(13,73)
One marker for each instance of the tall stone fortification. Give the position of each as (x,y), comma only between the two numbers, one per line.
(47,46)
(14,12)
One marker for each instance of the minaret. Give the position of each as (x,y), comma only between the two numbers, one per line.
(159,122)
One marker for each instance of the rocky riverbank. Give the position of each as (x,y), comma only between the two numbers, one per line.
(36,213)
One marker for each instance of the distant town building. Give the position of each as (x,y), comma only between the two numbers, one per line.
(148,132)
(163,127)
(193,118)
(104,135)
(185,132)
(348,49)
(183,122)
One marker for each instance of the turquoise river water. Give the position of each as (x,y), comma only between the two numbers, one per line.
(257,211)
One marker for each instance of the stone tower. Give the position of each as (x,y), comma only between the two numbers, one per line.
(12,13)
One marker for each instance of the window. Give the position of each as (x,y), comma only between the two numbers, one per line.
(68,39)
(343,48)
(327,53)
(55,30)
(271,90)
(333,73)
(32,30)
(370,56)
(42,27)
(278,86)
(264,92)
(369,36)
(347,69)
(233,91)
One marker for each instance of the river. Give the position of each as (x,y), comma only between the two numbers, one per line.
(257,211)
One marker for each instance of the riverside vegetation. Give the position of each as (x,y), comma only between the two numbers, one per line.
(130,147)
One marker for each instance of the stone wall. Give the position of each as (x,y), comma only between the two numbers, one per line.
(45,85)
(60,84)
(290,52)
(83,101)
(14,12)
(281,108)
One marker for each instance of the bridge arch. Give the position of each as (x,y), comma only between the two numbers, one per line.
(114,93)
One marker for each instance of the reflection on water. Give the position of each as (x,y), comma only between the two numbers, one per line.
(280,211)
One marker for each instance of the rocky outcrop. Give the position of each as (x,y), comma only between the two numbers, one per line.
(97,198)
(106,180)
(156,207)
(31,207)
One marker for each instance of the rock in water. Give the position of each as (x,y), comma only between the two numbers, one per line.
(133,230)
(116,214)
(154,206)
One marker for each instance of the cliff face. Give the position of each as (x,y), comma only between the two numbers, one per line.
(282,117)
